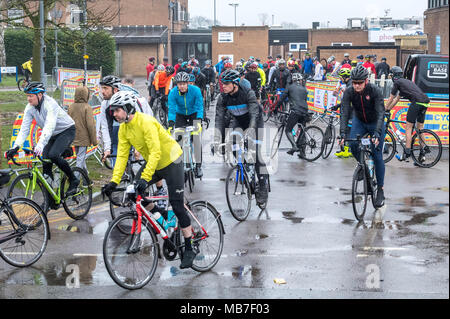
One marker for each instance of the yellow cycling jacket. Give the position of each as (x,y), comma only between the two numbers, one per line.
(263,76)
(151,140)
(28,66)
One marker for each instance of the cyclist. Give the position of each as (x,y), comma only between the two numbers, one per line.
(246,113)
(27,68)
(200,79)
(186,109)
(280,76)
(404,88)
(210,74)
(58,132)
(243,82)
(162,154)
(382,68)
(367,103)
(369,65)
(297,95)
(254,78)
(162,84)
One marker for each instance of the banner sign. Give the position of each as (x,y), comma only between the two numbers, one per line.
(93,77)
(321,97)
(68,91)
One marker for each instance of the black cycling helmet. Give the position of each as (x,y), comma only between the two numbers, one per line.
(170,69)
(182,77)
(359,73)
(265,65)
(111,80)
(241,70)
(396,73)
(34,88)
(231,76)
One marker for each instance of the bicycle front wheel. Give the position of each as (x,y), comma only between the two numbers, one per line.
(78,205)
(26,224)
(130,259)
(276,142)
(311,147)
(389,146)
(238,193)
(328,141)
(359,193)
(22,186)
(208,234)
(21,84)
(426,148)
(266,110)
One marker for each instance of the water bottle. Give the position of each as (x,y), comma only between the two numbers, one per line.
(370,165)
(161,220)
(399,135)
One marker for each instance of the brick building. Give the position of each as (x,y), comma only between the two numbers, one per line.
(240,42)
(436,26)
(337,37)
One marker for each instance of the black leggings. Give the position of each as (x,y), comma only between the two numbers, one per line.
(293,119)
(54,149)
(174,176)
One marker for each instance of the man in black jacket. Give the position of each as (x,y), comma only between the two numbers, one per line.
(280,76)
(246,114)
(367,103)
(254,78)
(382,68)
(210,74)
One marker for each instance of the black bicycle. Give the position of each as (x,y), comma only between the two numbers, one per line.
(364,181)
(309,139)
(159,112)
(24,229)
(331,120)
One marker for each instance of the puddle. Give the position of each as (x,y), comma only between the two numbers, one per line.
(292,182)
(414,201)
(289,215)
(422,218)
(338,189)
(345,202)
(83,227)
(169,272)
(261,236)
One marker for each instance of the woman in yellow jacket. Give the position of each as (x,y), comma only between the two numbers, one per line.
(163,160)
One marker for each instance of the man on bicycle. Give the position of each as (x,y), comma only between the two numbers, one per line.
(404,88)
(246,114)
(186,109)
(367,103)
(58,132)
(163,160)
(27,68)
(210,74)
(297,95)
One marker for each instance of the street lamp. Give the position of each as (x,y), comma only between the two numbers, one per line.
(235,5)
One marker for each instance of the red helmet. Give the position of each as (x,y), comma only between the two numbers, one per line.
(346,66)
(254,65)
(291,63)
(228,65)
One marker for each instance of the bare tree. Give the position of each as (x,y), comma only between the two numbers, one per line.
(201,22)
(289,25)
(27,16)
(264,18)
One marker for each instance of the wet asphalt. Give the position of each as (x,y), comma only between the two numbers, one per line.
(308,237)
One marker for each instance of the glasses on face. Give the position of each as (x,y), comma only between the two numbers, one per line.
(358,82)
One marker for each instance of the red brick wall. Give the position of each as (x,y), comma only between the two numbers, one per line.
(436,23)
(135,58)
(389,54)
(325,37)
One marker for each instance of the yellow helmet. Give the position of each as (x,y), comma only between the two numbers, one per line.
(345,73)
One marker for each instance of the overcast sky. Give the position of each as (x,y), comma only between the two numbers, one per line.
(303,13)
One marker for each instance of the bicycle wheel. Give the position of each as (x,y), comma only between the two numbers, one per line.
(162,116)
(328,140)
(426,148)
(238,193)
(276,142)
(21,186)
(209,246)
(130,260)
(25,222)
(190,179)
(359,193)
(21,84)
(311,147)
(78,205)
(266,110)
(389,146)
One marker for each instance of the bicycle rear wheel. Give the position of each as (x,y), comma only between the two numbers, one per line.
(21,84)
(276,142)
(208,234)
(266,110)
(21,186)
(78,205)
(359,193)
(25,222)
(311,147)
(328,140)
(130,269)
(426,148)
(238,193)
(389,146)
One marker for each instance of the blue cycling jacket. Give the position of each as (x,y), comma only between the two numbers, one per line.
(189,103)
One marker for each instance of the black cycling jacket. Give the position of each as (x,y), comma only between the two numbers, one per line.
(255,80)
(409,90)
(368,107)
(210,74)
(297,95)
(280,78)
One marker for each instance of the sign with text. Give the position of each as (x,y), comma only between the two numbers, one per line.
(225,37)
(377,36)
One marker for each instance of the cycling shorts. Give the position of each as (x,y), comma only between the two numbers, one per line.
(416,112)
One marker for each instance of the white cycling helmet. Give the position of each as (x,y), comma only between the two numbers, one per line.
(161,67)
(125,100)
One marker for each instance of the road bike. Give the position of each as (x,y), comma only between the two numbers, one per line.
(131,247)
(331,120)
(426,146)
(309,139)
(241,183)
(24,229)
(22,83)
(208,97)
(159,112)
(364,182)
(51,194)
(269,103)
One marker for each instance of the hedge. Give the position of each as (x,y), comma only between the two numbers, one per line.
(100,48)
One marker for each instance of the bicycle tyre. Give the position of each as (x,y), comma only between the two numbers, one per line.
(417,149)
(116,244)
(21,84)
(208,249)
(357,196)
(266,111)
(276,142)
(84,189)
(36,227)
(190,179)
(312,143)
(40,196)
(329,140)
(389,147)
(231,185)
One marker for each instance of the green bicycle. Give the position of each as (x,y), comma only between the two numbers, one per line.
(34,186)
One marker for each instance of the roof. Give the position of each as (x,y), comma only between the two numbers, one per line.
(139,34)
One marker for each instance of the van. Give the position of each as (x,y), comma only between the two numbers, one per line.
(430,73)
